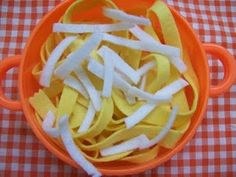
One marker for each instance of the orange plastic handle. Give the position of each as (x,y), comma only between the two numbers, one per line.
(229,65)
(5,65)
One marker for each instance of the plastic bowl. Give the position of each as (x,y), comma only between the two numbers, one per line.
(27,84)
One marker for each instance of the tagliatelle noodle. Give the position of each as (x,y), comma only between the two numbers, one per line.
(67,102)
(42,104)
(172,37)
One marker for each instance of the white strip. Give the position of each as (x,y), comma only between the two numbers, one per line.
(143,45)
(120,64)
(75,84)
(74,59)
(129,145)
(90,28)
(73,150)
(172,88)
(98,69)
(92,92)
(108,73)
(88,119)
(47,125)
(146,67)
(164,131)
(142,35)
(178,63)
(52,60)
(139,115)
(144,110)
(122,16)
(151,98)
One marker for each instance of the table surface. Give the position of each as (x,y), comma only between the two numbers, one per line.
(212,151)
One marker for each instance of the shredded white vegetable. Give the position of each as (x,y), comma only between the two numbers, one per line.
(164,131)
(47,125)
(74,59)
(75,84)
(132,144)
(92,92)
(90,28)
(73,149)
(145,109)
(143,45)
(122,16)
(98,69)
(88,119)
(52,60)
(173,88)
(120,64)
(146,67)
(151,98)
(108,72)
(178,63)
(139,115)
(142,35)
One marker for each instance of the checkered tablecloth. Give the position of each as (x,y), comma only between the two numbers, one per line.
(212,151)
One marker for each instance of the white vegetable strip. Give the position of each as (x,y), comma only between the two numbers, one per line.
(143,45)
(47,125)
(172,88)
(75,84)
(122,16)
(146,67)
(92,92)
(108,73)
(144,110)
(98,69)
(139,115)
(73,150)
(90,28)
(178,63)
(120,64)
(52,60)
(131,144)
(164,131)
(88,119)
(142,35)
(151,98)
(74,59)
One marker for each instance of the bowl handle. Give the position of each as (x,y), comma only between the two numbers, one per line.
(5,65)
(229,65)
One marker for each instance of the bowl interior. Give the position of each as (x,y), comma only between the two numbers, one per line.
(28,84)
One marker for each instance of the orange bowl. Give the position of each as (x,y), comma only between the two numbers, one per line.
(28,85)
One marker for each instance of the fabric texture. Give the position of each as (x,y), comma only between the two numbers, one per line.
(211,152)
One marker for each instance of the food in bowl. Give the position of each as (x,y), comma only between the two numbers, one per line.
(115,89)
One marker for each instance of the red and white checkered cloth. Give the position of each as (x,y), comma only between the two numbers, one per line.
(212,151)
